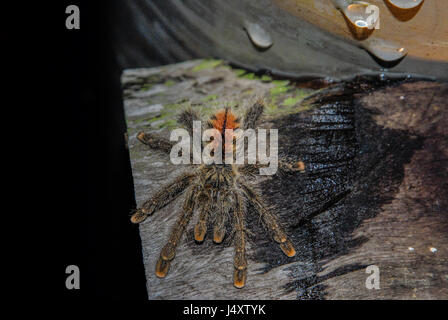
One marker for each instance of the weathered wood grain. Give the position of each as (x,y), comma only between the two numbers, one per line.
(375,185)
(415,220)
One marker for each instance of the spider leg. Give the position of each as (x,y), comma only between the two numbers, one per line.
(283,166)
(249,169)
(155,141)
(201,227)
(169,250)
(253,114)
(252,170)
(290,167)
(219,228)
(163,197)
(239,259)
(270,221)
(186,118)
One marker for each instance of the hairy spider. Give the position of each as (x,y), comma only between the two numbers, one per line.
(219,192)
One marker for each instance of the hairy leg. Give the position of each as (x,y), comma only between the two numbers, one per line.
(239,259)
(169,250)
(253,115)
(249,169)
(186,119)
(163,197)
(290,167)
(155,142)
(201,226)
(283,166)
(222,212)
(270,221)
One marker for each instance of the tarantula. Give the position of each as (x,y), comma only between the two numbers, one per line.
(219,192)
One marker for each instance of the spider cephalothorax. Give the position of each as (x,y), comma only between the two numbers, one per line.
(220,193)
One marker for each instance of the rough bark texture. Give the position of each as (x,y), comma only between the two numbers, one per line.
(375,186)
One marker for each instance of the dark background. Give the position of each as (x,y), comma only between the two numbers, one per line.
(107,245)
(89,193)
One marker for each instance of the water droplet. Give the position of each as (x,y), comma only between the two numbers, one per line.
(358,18)
(384,50)
(404,9)
(259,37)
(405,4)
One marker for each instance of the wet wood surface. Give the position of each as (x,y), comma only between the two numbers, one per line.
(374,191)
(310,37)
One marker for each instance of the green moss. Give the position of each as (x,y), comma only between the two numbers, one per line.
(280,83)
(210,97)
(207,64)
(239,72)
(169,83)
(291,101)
(281,86)
(140,120)
(278,90)
(248,92)
(146,87)
(153,79)
(157,118)
(266,78)
(169,107)
(271,106)
(250,76)
(182,100)
(170,124)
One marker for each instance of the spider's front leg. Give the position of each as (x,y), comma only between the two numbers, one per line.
(163,197)
(270,221)
(251,118)
(155,142)
(283,166)
(291,167)
(253,115)
(186,118)
(169,250)
(239,259)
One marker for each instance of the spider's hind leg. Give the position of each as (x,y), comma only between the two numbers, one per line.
(169,250)
(270,221)
(239,259)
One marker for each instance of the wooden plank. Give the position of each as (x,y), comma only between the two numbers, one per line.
(369,191)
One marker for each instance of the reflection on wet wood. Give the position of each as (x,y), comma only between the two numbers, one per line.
(310,37)
(404,10)
(423,29)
